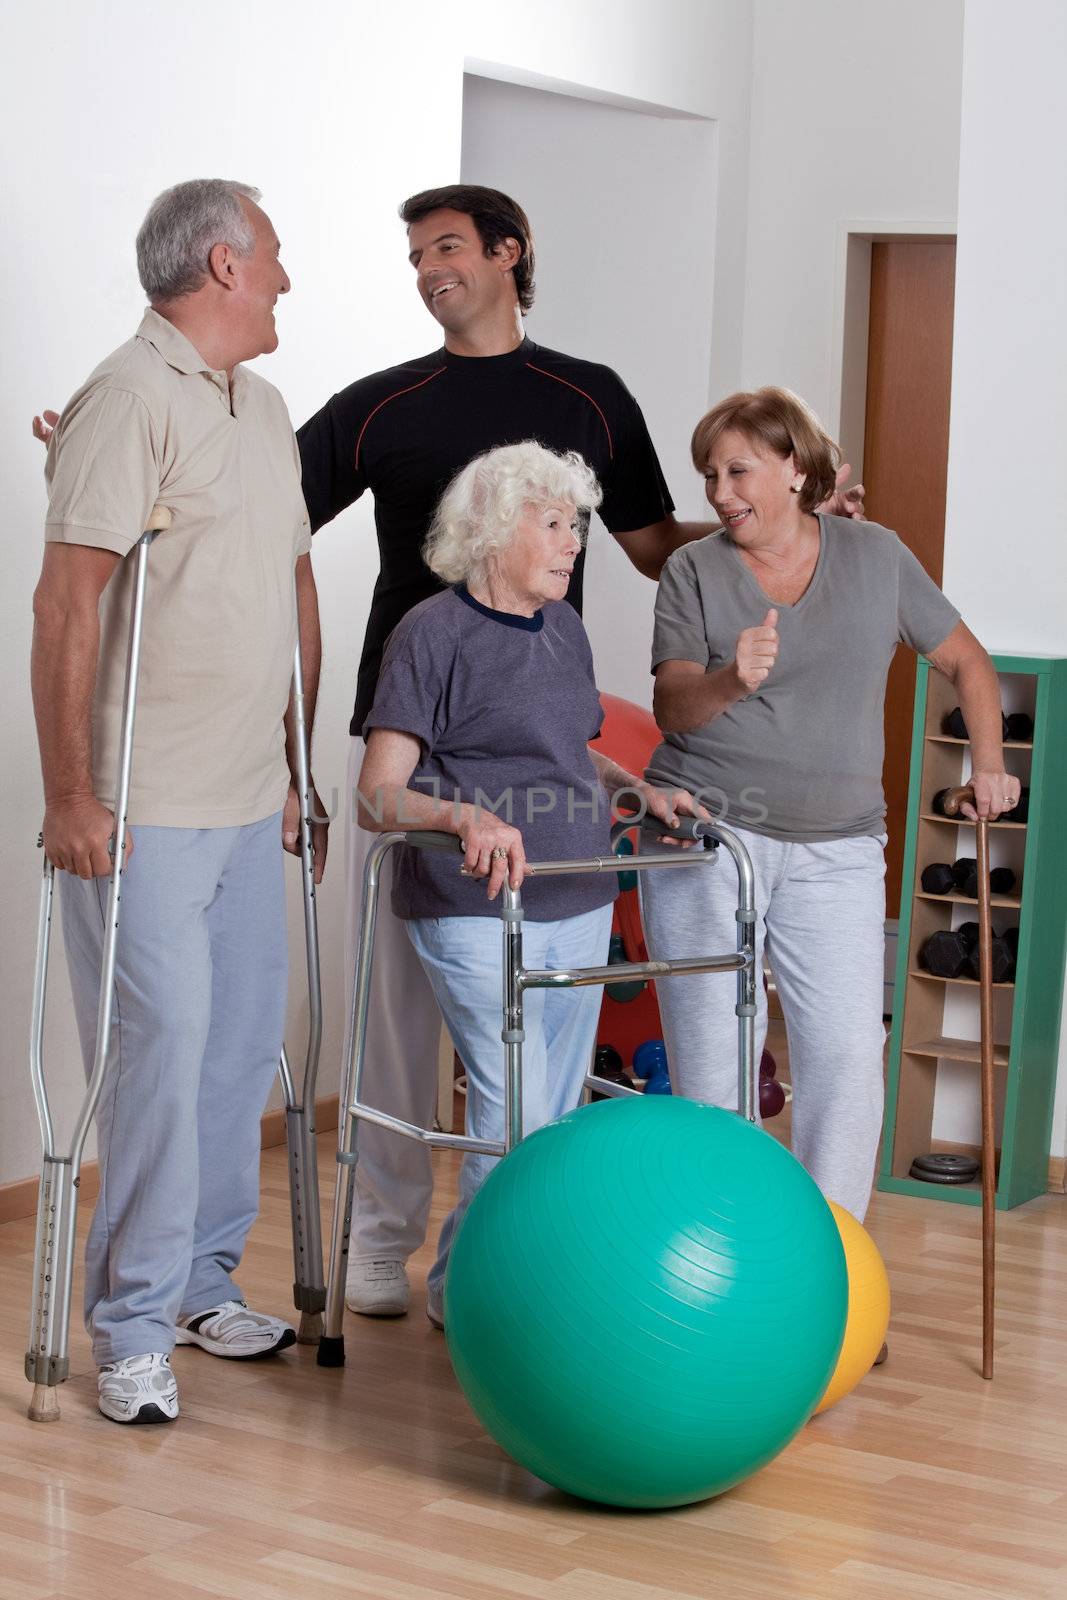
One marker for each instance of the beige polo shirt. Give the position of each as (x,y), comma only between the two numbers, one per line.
(154,423)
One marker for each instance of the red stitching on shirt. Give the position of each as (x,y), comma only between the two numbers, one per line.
(589,397)
(385,402)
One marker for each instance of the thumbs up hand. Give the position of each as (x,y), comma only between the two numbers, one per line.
(757,649)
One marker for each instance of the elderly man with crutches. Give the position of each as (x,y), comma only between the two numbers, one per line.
(199,991)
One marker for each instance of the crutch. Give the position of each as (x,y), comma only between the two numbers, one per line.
(953,799)
(48,1360)
(516,980)
(309,1289)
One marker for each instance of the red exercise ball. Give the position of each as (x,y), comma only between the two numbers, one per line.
(768,1066)
(629,733)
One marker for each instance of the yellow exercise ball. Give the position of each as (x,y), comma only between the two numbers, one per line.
(868,1308)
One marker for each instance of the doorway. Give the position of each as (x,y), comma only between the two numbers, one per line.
(896,420)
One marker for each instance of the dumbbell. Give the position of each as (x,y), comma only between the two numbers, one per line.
(771,1098)
(1002,954)
(650,1063)
(940,878)
(1021,812)
(629,988)
(954,954)
(945,954)
(607,1063)
(965,878)
(1016,726)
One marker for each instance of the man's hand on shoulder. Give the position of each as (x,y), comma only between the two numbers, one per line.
(45,425)
(77,834)
(845,502)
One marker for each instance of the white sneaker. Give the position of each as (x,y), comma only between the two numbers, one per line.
(138,1389)
(435,1306)
(233,1331)
(377,1288)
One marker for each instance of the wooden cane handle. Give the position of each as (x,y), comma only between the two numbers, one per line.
(158,520)
(953,799)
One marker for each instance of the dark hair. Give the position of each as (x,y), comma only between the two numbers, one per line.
(496,217)
(786,425)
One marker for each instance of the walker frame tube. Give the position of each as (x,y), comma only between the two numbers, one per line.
(516,980)
(47,1359)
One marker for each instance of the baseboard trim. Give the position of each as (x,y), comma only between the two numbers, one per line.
(19,1199)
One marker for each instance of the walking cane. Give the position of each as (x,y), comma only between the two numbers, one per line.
(309,1286)
(48,1360)
(953,799)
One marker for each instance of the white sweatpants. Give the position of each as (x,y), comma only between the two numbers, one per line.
(820,909)
(394,1179)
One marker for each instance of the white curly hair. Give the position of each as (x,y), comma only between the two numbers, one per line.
(480,510)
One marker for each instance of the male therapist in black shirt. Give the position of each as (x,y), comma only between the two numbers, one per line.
(403,434)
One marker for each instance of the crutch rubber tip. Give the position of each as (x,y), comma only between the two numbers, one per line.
(44,1404)
(310,1329)
(331,1351)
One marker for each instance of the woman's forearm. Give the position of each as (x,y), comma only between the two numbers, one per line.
(611,775)
(684,703)
(978,687)
(391,807)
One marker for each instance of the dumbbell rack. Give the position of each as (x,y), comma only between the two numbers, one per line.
(935,1020)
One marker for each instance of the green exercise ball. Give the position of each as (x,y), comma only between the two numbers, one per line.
(646,1301)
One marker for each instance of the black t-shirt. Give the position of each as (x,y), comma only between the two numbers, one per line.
(404,434)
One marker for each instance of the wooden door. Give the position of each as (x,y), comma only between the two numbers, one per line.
(905,458)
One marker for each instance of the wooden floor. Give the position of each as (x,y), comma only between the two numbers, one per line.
(282,1480)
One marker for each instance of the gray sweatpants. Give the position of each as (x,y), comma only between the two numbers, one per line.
(820,910)
(197,1024)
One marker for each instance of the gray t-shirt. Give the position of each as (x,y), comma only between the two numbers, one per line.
(503,707)
(802,757)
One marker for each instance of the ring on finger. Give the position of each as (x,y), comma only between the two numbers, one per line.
(498,853)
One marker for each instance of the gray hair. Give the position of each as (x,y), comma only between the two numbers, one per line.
(481,509)
(182,227)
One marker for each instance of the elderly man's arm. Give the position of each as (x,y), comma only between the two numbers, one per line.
(963,661)
(66,642)
(307,610)
(648,548)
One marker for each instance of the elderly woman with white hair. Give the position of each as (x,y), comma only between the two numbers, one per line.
(480,727)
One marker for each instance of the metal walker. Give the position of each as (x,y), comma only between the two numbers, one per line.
(516,980)
(47,1360)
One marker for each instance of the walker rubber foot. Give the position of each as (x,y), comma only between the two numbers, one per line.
(331,1351)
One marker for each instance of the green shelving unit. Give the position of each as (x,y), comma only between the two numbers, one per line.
(935,1020)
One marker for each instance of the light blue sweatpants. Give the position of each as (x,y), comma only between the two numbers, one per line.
(463,959)
(197,1024)
(820,909)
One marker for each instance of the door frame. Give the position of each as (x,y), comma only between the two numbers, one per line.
(850,322)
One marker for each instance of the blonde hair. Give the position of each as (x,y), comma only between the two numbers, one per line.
(784,423)
(480,510)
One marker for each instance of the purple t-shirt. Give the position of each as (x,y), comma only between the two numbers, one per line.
(503,707)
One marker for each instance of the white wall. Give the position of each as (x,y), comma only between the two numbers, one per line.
(1009,399)
(626,221)
(336,119)
(855,117)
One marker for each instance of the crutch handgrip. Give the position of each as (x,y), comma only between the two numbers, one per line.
(158,520)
